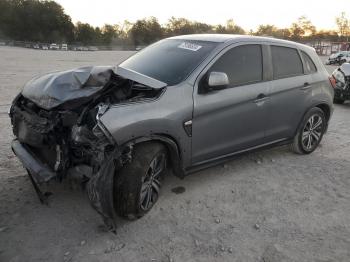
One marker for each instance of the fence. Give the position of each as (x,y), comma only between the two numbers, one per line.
(328,47)
(74,46)
(322,47)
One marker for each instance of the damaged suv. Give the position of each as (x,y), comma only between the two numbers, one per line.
(341,83)
(183,103)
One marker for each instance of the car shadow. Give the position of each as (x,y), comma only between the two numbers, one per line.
(67,196)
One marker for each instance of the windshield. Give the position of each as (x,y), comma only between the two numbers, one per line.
(171,60)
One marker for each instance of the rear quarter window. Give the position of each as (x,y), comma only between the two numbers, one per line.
(286,62)
(309,64)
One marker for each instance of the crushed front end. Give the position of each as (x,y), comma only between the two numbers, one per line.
(59,134)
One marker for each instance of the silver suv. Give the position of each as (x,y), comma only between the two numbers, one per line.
(186,103)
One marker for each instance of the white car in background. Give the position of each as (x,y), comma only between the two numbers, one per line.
(44,47)
(54,46)
(338,58)
(93,48)
(64,47)
(345,58)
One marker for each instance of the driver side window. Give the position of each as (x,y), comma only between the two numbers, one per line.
(242,64)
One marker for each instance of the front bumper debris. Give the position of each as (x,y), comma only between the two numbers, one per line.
(41,173)
(37,171)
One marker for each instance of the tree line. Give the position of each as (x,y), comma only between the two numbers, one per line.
(46,21)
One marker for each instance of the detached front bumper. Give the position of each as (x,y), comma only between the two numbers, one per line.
(39,171)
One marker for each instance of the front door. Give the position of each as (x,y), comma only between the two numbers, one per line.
(234,118)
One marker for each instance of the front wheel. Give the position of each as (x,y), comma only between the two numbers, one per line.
(310,132)
(137,184)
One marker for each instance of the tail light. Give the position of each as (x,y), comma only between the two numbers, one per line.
(333,81)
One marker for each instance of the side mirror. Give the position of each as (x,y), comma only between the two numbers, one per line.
(217,80)
(213,81)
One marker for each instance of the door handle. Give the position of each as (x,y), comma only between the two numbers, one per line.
(305,86)
(260,98)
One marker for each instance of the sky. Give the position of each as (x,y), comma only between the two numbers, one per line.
(246,13)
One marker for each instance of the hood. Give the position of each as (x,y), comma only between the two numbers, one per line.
(51,90)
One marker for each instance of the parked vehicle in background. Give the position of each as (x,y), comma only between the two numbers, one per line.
(44,47)
(54,46)
(186,103)
(36,46)
(2,43)
(92,48)
(345,58)
(79,48)
(338,58)
(341,83)
(64,47)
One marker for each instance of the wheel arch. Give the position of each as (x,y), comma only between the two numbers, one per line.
(325,107)
(326,110)
(170,143)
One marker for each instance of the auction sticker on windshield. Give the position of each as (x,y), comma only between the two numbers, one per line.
(190,46)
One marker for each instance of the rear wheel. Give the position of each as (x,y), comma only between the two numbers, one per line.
(137,185)
(310,132)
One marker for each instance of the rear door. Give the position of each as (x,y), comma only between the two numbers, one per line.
(289,94)
(232,119)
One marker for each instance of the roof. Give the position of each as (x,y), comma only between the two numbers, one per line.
(219,38)
(222,38)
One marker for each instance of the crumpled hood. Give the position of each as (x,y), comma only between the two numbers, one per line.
(51,90)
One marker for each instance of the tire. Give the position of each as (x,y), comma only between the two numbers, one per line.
(338,101)
(310,132)
(137,177)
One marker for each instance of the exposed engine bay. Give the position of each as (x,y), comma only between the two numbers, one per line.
(56,119)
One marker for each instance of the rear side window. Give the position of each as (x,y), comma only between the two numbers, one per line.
(309,64)
(242,64)
(286,62)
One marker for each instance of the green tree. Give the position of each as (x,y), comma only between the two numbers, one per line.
(35,20)
(179,26)
(267,30)
(301,28)
(109,32)
(343,24)
(326,35)
(230,28)
(146,31)
(271,30)
(86,34)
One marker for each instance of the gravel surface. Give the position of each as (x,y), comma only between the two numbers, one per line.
(268,206)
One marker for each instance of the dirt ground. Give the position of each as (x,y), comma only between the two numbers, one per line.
(269,206)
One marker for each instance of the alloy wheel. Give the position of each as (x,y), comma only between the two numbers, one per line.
(151,182)
(312,132)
